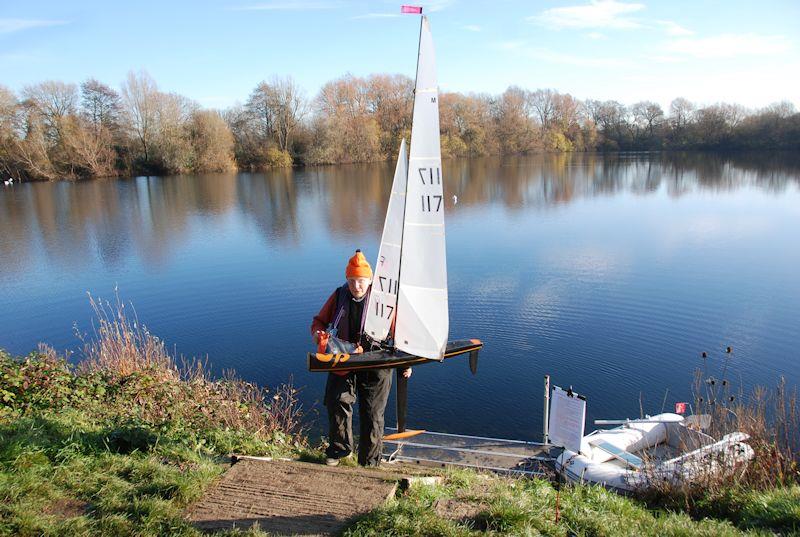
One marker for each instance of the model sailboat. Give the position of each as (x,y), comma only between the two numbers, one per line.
(407,314)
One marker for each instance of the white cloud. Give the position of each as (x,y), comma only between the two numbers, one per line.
(596,35)
(8,26)
(595,14)
(729,45)
(753,85)
(472,27)
(289,6)
(544,54)
(672,28)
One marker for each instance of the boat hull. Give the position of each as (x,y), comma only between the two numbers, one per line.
(593,465)
(384,359)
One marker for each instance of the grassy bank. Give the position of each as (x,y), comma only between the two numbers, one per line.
(91,468)
(467,503)
(121,444)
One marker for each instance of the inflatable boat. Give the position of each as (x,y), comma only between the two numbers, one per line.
(640,453)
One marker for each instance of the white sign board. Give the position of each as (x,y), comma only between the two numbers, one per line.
(567,418)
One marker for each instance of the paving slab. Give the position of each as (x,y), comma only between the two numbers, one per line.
(291,497)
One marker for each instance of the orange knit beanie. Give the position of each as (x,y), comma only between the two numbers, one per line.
(358,267)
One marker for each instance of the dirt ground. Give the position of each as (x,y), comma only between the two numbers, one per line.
(66,508)
(290,497)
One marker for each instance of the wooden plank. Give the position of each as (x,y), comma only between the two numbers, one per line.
(290,497)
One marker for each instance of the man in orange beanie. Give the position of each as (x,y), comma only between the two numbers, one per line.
(344,312)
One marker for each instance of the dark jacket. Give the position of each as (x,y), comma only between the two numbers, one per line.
(350,312)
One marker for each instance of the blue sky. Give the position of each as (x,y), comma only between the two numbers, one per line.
(216,52)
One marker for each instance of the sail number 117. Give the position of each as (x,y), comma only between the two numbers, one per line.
(429,177)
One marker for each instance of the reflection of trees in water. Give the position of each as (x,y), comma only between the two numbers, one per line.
(17,231)
(73,222)
(552,179)
(163,206)
(271,200)
(356,196)
(771,171)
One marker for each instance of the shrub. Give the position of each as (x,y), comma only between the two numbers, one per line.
(275,158)
(127,376)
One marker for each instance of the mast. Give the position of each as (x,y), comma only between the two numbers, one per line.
(422,329)
(408,170)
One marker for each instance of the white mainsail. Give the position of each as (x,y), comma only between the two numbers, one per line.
(422,320)
(383,297)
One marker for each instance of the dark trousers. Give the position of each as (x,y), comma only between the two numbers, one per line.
(371,388)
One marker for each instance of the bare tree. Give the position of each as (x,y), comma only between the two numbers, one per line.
(172,137)
(32,151)
(8,115)
(565,113)
(783,109)
(543,103)
(516,131)
(681,112)
(8,110)
(277,108)
(466,124)
(390,99)
(212,142)
(100,104)
(647,116)
(259,109)
(88,150)
(54,101)
(290,108)
(140,95)
(346,129)
(593,110)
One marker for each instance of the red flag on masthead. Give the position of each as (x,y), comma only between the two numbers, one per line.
(680,408)
(414,10)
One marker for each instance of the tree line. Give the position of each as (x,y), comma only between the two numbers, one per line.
(54,130)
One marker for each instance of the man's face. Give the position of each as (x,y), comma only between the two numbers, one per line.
(358,286)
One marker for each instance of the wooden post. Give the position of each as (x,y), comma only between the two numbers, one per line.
(546,427)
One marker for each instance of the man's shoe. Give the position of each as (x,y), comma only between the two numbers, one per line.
(330,461)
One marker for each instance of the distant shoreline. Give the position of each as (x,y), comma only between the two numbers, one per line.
(54,130)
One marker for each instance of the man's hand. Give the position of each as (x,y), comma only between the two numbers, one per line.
(407,373)
(358,350)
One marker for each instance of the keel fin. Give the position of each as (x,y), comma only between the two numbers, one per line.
(473,362)
(402,400)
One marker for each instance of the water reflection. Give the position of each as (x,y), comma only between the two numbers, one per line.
(152,216)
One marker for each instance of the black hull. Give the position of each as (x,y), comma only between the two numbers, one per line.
(383,359)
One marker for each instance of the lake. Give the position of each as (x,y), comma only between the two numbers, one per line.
(612,273)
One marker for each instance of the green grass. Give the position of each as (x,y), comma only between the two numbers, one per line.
(60,459)
(102,452)
(53,460)
(94,453)
(528,507)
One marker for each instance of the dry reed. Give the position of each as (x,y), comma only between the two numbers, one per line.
(770,418)
(139,368)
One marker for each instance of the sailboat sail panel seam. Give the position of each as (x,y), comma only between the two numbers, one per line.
(412,286)
(419,224)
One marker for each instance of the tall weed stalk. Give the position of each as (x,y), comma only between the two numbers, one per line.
(145,382)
